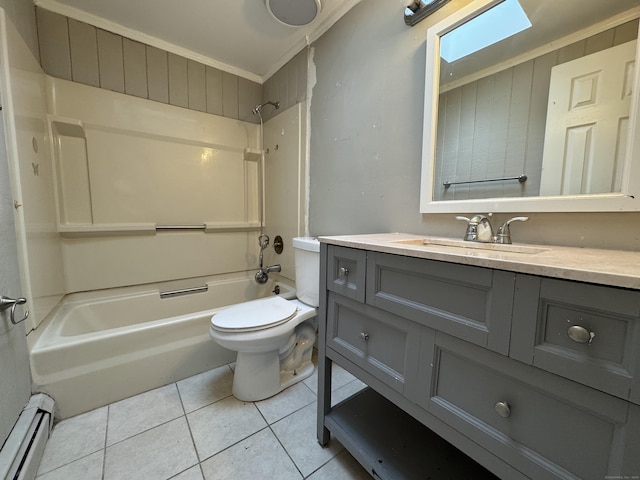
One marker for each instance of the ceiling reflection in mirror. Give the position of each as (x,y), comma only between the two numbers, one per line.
(542,112)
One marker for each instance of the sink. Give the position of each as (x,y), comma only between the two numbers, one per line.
(452,242)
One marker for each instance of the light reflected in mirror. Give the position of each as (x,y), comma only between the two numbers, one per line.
(542,113)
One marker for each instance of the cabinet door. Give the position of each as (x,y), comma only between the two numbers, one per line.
(382,344)
(588,333)
(471,303)
(545,426)
(346,269)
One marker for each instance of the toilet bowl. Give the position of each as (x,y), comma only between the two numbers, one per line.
(273,336)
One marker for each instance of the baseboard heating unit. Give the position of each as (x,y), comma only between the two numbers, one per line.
(22,452)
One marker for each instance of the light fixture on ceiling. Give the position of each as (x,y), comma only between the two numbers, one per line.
(294,13)
(419,9)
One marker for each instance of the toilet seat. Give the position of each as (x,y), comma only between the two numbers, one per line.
(255,315)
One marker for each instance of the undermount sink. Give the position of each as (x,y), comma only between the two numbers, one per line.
(452,242)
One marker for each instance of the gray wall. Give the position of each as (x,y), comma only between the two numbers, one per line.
(80,52)
(23,15)
(366,137)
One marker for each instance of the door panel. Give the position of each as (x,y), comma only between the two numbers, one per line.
(587,122)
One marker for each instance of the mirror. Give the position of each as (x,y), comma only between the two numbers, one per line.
(518,125)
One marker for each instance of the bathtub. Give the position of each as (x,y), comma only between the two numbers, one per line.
(99,347)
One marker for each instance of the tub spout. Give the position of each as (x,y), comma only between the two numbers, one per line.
(273,268)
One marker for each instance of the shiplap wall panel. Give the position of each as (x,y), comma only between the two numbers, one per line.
(84,53)
(100,58)
(111,61)
(178,81)
(197,86)
(53,40)
(135,68)
(157,74)
(229,95)
(213,78)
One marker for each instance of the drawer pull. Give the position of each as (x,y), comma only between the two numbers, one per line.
(503,409)
(343,272)
(580,334)
(363,336)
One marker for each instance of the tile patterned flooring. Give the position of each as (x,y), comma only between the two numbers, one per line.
(195,429)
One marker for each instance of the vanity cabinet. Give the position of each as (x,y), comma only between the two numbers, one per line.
(478,359)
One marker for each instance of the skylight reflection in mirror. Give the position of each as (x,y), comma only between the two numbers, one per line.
(502,21)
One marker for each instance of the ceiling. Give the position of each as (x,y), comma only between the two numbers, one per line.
(237,36)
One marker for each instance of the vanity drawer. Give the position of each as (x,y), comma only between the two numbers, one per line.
(543,425)
(588,333)
(384,345)
(471,303)
(346,270)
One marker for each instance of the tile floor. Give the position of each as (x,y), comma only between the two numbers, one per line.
(195,430)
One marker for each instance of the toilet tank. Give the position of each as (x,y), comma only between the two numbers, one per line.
(307,263)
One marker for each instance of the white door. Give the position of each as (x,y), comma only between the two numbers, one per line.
(587,123)
(15,377)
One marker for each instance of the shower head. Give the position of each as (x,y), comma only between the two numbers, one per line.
(258,108)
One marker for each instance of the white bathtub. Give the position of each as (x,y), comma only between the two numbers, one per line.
(99,347)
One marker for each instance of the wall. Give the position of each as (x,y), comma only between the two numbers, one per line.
(22,14)
(80,52)
(366,137)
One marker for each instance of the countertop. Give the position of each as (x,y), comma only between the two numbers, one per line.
(608,267)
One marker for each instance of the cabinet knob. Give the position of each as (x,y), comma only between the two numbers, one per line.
(580,334)
(343,272)
(364,337)
(503,409)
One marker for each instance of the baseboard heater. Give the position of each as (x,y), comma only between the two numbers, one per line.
(22,452)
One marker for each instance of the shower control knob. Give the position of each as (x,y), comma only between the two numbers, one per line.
(343,272)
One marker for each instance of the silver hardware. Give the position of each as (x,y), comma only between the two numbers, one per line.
(504,232)
(580,334)
(479,228)
(343,272)
(363,336)
(278,244)
(521,178)
(6,302)
(184,291)
(503,409)
(181,227)
(16,205)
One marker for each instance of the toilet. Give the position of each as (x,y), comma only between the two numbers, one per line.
(273,336)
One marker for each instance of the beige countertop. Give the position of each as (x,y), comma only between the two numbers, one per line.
(609,267)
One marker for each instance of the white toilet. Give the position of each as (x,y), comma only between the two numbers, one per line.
(274,337)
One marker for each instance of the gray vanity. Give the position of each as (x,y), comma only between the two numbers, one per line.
(525,358)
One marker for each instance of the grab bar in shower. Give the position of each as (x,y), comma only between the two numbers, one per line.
(184,291)
(181,227)
(521,178)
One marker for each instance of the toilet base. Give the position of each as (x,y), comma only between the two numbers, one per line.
(257,376)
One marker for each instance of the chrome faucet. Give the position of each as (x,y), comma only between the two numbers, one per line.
(504,232)
(479,229)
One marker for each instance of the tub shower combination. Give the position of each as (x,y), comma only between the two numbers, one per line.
(100,347)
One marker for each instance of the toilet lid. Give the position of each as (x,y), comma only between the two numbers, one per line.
(254,315)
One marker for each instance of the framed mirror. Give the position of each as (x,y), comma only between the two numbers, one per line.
(544,119)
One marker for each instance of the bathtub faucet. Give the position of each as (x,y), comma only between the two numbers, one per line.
(263,274)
